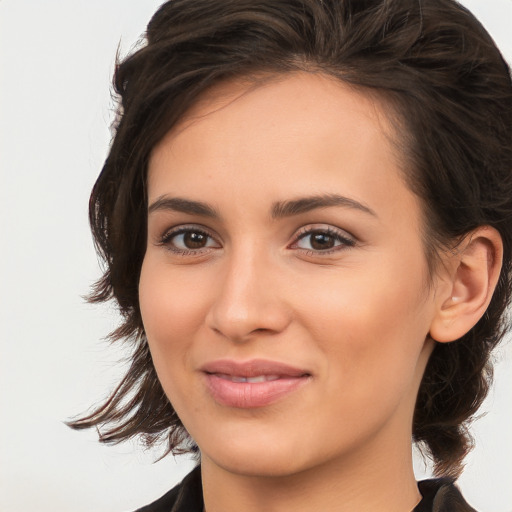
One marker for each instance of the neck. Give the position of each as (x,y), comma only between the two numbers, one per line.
(382,480)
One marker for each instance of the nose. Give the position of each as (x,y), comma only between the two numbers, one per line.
(250,299)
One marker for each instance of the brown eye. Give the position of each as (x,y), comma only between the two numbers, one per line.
(187,240)
(194,240)
(320,241)
(324,240)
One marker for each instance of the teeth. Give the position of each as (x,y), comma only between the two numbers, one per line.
(250,380)
(262,378)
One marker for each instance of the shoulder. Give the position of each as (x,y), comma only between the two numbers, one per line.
(441,495)
(187,496)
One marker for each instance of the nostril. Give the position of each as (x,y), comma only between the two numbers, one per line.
(260,330)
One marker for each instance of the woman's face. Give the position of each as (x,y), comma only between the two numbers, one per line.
(284,290)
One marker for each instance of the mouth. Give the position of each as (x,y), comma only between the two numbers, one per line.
(252,384)
(251,380)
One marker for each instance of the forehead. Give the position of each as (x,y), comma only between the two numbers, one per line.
(309,130)
(269,96)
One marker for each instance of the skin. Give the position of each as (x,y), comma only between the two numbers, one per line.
(357,316)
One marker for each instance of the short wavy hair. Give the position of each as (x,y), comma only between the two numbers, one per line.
(448,87)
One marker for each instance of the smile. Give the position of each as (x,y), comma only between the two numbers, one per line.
(252,384)
(251,380)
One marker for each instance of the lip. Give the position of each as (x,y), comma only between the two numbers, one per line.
(273,380)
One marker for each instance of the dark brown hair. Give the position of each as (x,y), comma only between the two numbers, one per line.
(450,88)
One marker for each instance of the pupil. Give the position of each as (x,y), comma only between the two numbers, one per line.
(322,241)
(194,240)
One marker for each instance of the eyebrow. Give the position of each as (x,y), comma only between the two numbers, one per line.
(182,205)
(279,209)
(305,204)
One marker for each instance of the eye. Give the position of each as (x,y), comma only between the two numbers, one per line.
(188,240)
(323,240)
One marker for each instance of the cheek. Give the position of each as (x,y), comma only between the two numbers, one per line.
(371,325)
(172,311)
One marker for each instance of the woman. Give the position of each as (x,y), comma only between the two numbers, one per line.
(306,220)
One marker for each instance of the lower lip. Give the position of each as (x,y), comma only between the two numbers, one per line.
(249,395)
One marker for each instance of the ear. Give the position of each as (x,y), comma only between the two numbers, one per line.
(472,274)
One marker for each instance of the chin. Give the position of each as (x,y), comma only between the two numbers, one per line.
(258,463)
(264,456)
(253,455)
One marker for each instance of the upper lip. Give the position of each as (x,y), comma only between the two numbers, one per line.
(252,368)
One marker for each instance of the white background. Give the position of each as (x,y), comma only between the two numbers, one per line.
(56,61)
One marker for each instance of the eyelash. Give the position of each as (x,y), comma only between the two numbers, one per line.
(168,236)
(345,240)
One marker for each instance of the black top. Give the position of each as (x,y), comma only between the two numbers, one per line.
(439,495)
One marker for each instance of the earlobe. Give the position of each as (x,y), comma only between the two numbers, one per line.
(474,270)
